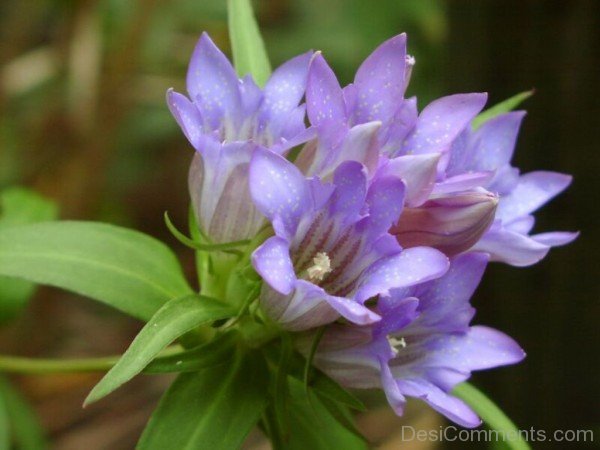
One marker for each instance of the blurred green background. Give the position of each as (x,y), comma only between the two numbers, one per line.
(83,121)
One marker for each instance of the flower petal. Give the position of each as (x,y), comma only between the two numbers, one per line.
(513,248)
(286,87)
(385,199)
(412,266)
(272,262)
(533,190)
(324,96)
(212,81)
(187,116)
(418,172)
(451,407)
(488,148)
(278,188)
(555,238)
(442,121)
(380,81)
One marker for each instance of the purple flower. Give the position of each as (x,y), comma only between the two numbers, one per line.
(422,347)
(487,151)
(331,251)
(435,153)
(225,120)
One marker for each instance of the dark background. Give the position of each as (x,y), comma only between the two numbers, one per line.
(83,121)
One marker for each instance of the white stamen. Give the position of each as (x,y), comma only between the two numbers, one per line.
(321,267)
(396,343)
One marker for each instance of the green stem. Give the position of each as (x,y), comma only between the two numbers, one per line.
(17,364)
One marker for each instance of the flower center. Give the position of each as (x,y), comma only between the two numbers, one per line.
(320,268)
(396,343)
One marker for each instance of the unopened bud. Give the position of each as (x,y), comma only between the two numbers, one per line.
(452,223)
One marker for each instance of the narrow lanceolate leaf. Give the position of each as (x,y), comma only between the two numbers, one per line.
(125,269)
(491,415)
(212,409)
(249,54)
(26,430)
(175,318)
(503,107)
(314,427)
(220,350)
(20,206)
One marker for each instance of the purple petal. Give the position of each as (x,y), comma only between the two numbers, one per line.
(324,96)
(442,121)
(385,199)
(187,115)
(510,247)
(533,190)
(350,180)
(396,131)
(444,302)
(463,182)
(211,81)
(272,261)
(359,144)
(251,95)
(390,386)
(480,348)
(286,87)
(278,188)
(352,311)
(418,173)
(304,308)
(380,82)
(412,266)
(555,238)
(451,407)
(490,147)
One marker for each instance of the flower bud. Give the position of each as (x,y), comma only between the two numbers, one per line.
(220,197)
(452,223)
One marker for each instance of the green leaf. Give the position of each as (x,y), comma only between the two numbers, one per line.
(320,382)
(213,409)
(249,54)
(174,319)
(23,423)
(492,416)
(125,269)
(220,350)
(503,107)
(313,427)
(20,206)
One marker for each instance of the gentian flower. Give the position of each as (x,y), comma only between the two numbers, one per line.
(437,155)
(489,149)
(422,347)
(331,251)
(225,120)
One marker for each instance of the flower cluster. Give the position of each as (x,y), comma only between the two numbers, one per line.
(383,218)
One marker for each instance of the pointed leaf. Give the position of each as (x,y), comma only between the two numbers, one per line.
(218,351)
(503,107)
(125,269)
(491,415)
(213,409)
(313,427)
(249,54)
(175,318)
